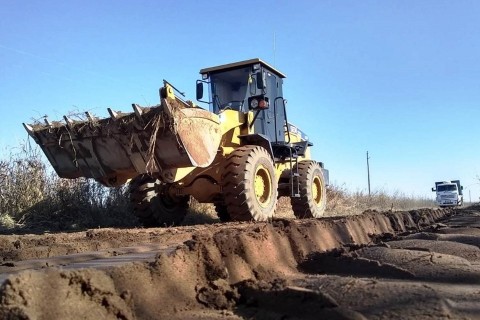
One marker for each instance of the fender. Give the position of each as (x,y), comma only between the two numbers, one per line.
(259,140)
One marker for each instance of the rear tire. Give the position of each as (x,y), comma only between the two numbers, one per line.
(313,194)
(249,184)
(154,209)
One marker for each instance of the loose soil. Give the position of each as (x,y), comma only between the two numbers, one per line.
(392,265)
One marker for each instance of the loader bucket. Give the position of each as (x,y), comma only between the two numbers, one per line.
(156,140)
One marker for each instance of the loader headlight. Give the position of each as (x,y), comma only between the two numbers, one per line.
(253,104)
(258,102)
(262,104)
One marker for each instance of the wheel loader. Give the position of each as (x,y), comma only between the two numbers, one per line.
(241,154)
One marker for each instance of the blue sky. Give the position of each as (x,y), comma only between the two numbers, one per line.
(400,79)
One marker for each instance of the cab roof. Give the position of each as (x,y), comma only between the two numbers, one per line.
(235,65)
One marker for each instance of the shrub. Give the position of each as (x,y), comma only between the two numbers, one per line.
(34,197)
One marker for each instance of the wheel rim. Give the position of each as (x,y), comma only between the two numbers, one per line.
(317,190)
(263,186)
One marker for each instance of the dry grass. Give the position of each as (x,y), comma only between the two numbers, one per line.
(32,197)
(343,202)
(200,213)
(23,180)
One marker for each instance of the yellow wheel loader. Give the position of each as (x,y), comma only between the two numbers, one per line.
(241,154)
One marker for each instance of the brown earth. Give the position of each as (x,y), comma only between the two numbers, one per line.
(416,265)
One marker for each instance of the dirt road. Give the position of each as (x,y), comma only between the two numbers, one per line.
(418,264)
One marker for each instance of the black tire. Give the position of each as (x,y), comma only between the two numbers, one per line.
(154,209)
(313,193)
(249,184)
(222,212)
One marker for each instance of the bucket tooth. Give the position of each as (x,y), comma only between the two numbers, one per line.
(30,132)
(68,121)
(29,129)
(138,110)
(113,114)
(90,117)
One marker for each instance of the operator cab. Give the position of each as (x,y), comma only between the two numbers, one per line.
(244,86)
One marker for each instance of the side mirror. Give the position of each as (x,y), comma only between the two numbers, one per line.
(433,189)
(461,188)
(260,80)
(199,90)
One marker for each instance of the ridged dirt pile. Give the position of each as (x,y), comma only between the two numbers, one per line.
(244,270)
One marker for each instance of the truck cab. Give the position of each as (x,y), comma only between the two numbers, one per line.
(448,193)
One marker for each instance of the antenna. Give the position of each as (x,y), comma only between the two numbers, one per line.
(274,48)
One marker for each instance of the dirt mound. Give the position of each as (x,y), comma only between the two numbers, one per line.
(284,269)
(86,294)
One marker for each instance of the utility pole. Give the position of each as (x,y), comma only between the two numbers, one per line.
(368,173)
(469,196)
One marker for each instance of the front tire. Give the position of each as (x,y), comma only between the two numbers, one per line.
(249,184)
(154,209)
(313,193)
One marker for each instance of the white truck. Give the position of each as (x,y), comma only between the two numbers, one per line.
(449,193)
